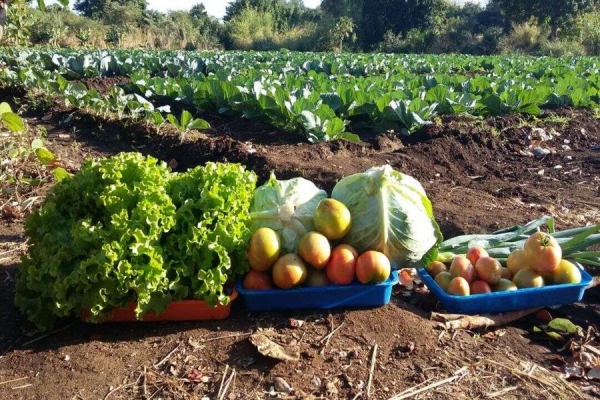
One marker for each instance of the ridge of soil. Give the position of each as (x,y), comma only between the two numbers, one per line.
(479,178)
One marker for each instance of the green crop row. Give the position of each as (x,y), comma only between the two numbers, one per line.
(323,96)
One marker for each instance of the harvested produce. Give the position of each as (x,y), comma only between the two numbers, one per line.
(479,286)
(125,229)
(443,279)
(542,252)
(288,207)
(462,267)
(316,277)
(566,272)
(390,214)
(528,278)
(257,280)
(289,271)
(504,285)
(436,267)
(372,267)
(475,253)
(315,249)
(516,261)
(332,219)
(575,243)
(459,287)
(341,267)
(263,249)
(489,270)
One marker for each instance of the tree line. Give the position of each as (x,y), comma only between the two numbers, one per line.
(538,27)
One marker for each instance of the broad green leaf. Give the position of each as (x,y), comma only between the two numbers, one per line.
(37,144)
(198,124)
(60,174)
(44,155)
(173,120)
(13,122)
(186,117)
(563,325)
(4,108)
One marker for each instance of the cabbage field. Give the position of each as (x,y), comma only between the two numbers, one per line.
(321,96)
(138,177)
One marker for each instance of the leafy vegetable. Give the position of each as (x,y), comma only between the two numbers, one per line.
(207,245)
(390,213)
(126,229)
(576,243)
(287,207)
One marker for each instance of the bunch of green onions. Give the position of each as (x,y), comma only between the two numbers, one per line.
(575,243)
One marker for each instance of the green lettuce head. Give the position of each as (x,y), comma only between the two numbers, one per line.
(391,214)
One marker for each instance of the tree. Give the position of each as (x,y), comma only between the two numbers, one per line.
(95,8)
(198,11)
(558,14)
(399,17)
(3,12)
(344,28)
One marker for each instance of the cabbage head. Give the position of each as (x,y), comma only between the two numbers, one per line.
(391,214)
(288,207)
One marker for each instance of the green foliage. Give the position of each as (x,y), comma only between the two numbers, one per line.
(589,28)
(187,123)
(18,24)
(126,229)
(343,29)
(96,8)
(559,14)
(523,39)
(251,29)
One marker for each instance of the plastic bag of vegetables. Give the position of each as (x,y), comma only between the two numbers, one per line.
(390,213)
(288,207)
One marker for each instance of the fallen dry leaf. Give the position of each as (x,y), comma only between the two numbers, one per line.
(494,335)
(296,323)
(268,348)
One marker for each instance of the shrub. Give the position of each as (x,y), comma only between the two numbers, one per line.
(526,38)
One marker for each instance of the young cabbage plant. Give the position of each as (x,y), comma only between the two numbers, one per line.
(186,123)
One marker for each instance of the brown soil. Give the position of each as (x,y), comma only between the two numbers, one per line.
(479,180)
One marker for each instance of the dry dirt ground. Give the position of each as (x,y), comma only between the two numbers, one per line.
(479,177)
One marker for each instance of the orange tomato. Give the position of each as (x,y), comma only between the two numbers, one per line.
(341,266)
(542,252)
(373,267)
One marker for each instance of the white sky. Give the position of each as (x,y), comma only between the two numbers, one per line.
(216,8)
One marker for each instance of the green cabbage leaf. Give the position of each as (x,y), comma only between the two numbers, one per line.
(288,207)
(391,214)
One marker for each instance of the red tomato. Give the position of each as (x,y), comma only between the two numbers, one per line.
(257,280)
(542,252)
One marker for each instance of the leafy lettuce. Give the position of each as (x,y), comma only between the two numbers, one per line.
(127,229)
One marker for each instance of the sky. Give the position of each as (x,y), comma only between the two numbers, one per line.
(215,8)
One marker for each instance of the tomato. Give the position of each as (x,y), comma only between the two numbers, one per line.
(341,266)
(257,280)
(372,267)
(542,252)
(475,253)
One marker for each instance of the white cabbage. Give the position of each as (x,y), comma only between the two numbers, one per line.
(288,207)
(390,213)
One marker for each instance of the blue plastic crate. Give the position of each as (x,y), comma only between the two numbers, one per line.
(496,302)
(323,297)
